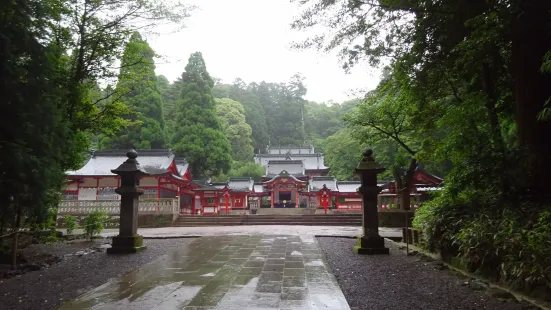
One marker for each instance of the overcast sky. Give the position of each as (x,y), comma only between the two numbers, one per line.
(251,39)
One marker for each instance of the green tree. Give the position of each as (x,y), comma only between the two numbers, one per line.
(342,154)
(255,115)
(138,83)
(35,140)
(231,116)
(243,170)
(171,96)
(54,53)
(199,137)
(485,53)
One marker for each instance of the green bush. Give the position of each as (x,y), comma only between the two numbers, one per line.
(94,223)
(505,242)
(70,224)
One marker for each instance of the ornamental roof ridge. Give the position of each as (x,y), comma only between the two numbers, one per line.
(317,154)
(295,161)
(240,179)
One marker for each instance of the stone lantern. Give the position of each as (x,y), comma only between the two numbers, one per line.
(128,240)
(370,242)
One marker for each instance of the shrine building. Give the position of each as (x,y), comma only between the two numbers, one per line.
(295,177)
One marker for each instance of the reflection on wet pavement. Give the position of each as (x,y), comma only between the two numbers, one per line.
(226,272)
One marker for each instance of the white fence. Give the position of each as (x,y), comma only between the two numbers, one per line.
(112,207)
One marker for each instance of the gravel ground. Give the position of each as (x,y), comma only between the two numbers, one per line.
(397,281)
(48,288)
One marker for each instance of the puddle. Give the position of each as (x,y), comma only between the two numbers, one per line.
(211,274)
(314,263)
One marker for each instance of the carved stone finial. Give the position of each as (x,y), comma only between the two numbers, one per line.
(132,154)
(368,162)
(368,155)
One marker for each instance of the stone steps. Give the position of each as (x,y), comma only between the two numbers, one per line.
(234,220)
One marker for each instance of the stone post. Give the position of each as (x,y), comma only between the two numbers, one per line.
(370,242)
(128,241)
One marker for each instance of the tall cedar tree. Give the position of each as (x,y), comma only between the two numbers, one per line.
(198,135)
(138,86)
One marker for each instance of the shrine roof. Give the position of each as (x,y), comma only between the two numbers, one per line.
(310,161)
(219,185)
(258,188)
(241,184)
(293,149)
(209,186)
(348,186)
(181,165)
(294,167)
(284,175)
(102,162)
(316,183)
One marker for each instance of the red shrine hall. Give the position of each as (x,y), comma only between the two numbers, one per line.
(295,177)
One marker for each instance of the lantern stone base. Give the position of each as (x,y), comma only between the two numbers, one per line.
(126,245)
(370,245)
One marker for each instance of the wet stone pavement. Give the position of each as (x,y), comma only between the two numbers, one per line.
(226,272)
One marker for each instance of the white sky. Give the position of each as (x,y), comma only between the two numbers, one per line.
(251,39)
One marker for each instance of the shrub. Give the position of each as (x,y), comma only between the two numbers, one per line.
(70,224)
(508,243)
(93,223)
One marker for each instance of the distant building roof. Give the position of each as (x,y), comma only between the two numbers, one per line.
(293,167)
(348,186)
(316,183)
(310,161)
(102,162)
(258,188)
(292,149)
(241,184)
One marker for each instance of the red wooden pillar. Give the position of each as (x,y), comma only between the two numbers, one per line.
(337,201)
(193,202)
(97,188)
(78,188)
(227,201)
(158,188)
(296,198)
(272,198)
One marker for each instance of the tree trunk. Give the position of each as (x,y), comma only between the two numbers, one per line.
(404,183)
(531,40)
(407,184)
(15,239)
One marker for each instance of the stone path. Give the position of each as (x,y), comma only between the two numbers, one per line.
(249,230)
(227,272)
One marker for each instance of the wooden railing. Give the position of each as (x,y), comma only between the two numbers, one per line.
(112,207)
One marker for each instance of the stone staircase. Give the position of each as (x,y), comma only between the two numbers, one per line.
(235,220)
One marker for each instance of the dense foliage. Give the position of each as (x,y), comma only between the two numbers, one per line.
(198,136)
(54,53)
(137,84)
(231,115)
(466,86)
(275,111)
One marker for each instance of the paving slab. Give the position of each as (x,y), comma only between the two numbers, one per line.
(245,276)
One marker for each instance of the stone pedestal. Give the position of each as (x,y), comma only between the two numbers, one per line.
(370,242)
(128,240)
